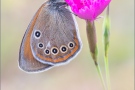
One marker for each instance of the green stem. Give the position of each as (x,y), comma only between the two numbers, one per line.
(100,75)
(107,72)
(106,47)
(91,35)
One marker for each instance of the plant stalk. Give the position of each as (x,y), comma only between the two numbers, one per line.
(91,35)
(106,46)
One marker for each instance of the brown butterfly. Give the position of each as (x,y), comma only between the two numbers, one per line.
(51,39)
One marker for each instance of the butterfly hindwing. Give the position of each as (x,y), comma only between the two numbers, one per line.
(55,37)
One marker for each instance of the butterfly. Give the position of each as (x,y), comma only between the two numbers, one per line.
(51,39)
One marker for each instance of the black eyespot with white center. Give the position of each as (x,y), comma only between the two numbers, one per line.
(37,34)
(47,52)
(40,45)
(71,45)
(63,49)
(54,50)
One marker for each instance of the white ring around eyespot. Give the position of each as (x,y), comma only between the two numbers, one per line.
(65,47)
(40,47)
(35,32)
(69,45)
(54,48)
(46,53)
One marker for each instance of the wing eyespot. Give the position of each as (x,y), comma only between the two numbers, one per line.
(71,45)
(63,49)
(54,50)
(47,52)
(37,34)
(40,45)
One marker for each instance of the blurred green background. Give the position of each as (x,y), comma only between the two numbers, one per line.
(80,74)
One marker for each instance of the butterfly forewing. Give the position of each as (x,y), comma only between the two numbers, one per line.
(27,62)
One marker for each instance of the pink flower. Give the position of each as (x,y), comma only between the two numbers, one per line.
(88,9)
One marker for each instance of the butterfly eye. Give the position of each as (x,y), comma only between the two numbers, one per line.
(54,51)
(47,52)
(71,45)
(37,34)
(40,45)
(63,49)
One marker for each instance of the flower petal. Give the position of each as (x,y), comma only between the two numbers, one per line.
(88,9)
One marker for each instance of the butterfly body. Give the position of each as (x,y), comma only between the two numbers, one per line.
(51,39)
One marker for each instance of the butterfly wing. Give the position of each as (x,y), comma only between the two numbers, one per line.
(26,60)
(55,38)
